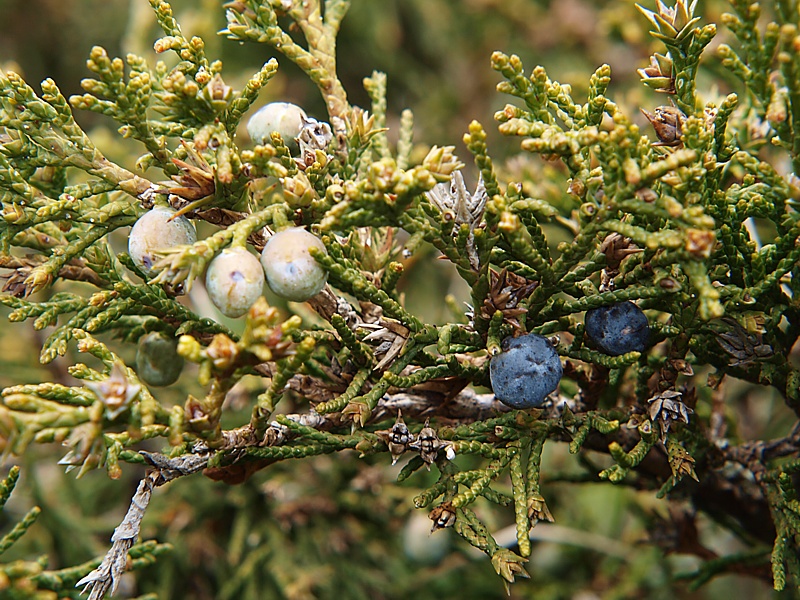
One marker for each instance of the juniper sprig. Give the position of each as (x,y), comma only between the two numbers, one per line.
(610,317)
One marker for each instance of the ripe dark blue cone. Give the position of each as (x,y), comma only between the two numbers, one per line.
(525,372)
(618,329)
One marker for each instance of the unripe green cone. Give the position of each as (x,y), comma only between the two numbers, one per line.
(157,360)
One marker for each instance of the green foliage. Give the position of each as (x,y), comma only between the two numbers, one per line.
(30,579)
(678,224)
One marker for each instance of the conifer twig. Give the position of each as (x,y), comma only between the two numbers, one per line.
(106,577)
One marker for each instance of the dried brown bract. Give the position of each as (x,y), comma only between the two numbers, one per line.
(667,408)
(398,438)
(506,292)
(668,123)
(442,516)
(428,444)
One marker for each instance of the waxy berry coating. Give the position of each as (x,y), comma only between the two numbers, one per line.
(526,371)
(291,271)
(618,329)
(154,231)
(157,361)
(280,117)
(234,281)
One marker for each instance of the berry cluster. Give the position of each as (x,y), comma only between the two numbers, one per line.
(235,279)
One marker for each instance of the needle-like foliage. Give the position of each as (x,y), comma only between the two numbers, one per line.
(695,223)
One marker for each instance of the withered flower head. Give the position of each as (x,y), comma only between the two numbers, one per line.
(537,509)
(672,22)
(666,408)
(375,246)
(15,280)
(616,248)
(680,461)
(314,136)
(222,351)
(700,242)
(217,91)
(668,123)
(398,438)
(428,444)
(744,347)
(197,415)
(275,434)
(508,565)
(195,181)
(360,126)
(214,91)
(441,162)
(86,447)
(359,412)
(388,337)
(116,392)
(442,516)
(456,204)
(658,75)
(639,420)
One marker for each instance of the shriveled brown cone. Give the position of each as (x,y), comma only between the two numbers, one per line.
(668,124)
(195,182)
(15,280)
(506,291)
(616,248)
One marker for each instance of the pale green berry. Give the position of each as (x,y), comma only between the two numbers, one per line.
(157,360)
(234,281)
(154,231)
(280,117)
(291,271)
